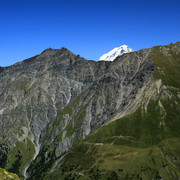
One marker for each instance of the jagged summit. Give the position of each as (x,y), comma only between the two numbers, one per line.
(48,57)
(48,50)
(52,55)
(51,50)
(58,52)
(118,51)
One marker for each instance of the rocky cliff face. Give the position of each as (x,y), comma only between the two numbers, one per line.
(53,101)
(117,92)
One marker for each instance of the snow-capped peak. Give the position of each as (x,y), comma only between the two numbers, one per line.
(118,51)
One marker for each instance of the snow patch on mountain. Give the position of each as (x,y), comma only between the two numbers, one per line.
(118,51)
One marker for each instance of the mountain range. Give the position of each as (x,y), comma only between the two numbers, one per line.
(65,117)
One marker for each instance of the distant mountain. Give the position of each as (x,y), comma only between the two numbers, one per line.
(64,117)
(113,54)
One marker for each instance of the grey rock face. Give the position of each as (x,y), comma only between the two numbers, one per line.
(116,90)
(56,99)
(37,89)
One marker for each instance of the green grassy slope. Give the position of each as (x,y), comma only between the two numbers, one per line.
(167,61)
(108,161)
(5,175)
(19,156)
(143,128)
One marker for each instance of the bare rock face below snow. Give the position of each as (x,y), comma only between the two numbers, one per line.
(53,101)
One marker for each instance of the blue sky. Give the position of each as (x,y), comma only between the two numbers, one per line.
(86,27)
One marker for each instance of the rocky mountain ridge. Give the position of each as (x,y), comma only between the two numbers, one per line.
(52,102)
